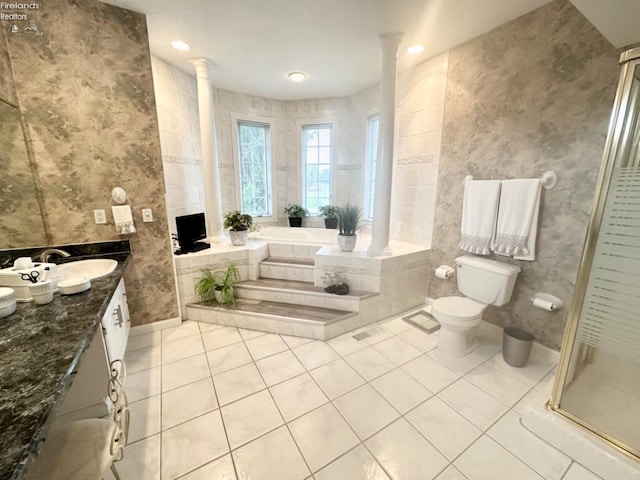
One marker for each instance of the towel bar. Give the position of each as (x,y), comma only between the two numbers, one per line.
(548,180)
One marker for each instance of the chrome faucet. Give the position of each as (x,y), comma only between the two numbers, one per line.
(46,255)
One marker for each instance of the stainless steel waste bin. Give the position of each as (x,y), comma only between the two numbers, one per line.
(516,346)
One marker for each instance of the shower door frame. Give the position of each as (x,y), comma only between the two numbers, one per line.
(630,60)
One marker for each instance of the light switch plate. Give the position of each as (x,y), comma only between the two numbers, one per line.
(147,215)
(100,217)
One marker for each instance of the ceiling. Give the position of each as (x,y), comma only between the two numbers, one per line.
(254,44)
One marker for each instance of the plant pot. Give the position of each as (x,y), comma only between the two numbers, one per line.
(218,295)
(331,223)
(295,221)
(347,242)
(238,237)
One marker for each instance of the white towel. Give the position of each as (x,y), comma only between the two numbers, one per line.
(479,209)
(518,218)
(123,219)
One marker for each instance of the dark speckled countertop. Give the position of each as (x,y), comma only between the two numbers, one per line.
(40,346)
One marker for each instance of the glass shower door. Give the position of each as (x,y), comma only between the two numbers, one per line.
(598,384)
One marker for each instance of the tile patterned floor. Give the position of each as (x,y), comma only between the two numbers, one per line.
(220,403)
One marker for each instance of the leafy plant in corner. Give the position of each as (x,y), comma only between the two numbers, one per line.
(237,221)
(330,214)
(295,211)
(219,285)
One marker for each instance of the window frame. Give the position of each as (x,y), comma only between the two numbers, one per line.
(317,122)
(270,123)
(370,158)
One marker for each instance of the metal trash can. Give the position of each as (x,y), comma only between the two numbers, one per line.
(516,346)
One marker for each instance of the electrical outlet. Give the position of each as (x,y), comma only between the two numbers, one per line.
(100,217)
(147,215)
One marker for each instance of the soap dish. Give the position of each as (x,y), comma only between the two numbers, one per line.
(74,285)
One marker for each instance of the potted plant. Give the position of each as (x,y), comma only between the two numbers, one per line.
(219,285)
(348,220)
(330,214)
(295,213)
(238,224)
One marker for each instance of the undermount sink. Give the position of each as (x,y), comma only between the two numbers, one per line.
(92,268)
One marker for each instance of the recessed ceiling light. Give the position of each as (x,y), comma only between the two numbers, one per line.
(180,45)
(297,76)
(415,49)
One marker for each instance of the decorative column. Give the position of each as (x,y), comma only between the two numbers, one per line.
(389,44)
(210,165)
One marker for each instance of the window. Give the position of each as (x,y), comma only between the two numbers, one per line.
(254,168)
(371,152)
(316,167)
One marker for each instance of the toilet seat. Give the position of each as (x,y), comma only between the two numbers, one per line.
(456,309)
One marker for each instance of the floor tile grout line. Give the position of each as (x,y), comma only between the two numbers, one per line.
(368,382)
(224,426)
(285,423)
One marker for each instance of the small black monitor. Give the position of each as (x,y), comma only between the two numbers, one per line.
(191,229)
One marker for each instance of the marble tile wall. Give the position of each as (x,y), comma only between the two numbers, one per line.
(533,95)
(176,96)
(227,106)
(7,88)
(85,89)
(419,117)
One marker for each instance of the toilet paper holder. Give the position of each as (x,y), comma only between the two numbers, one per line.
(546,302)
(445,271)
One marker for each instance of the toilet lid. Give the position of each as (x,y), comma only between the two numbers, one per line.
(456,308)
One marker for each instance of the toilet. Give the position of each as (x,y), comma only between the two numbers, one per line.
(483,282)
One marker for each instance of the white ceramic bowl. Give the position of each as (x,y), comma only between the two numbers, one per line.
(41,288)
(74,285)
(7,310)
(7,297)
(43,298)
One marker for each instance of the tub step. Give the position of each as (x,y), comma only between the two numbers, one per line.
(292,261)
(277,317)
(300,293)
(287,268)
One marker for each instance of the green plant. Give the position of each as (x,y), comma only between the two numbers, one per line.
(295,211)
(219,285)
(349,219)
(237,221)
(329,211)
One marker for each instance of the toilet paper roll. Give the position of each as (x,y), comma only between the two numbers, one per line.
(544,304)
(445,272)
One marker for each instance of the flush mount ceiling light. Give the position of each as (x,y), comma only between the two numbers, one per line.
(180,45)
(415,49)
(297,76)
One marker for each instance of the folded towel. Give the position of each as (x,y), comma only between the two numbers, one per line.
(123,219)
(518,218)
(479,215)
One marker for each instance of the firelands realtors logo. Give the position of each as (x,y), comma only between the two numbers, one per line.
(19,16)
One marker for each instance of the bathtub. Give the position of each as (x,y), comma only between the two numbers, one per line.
(309,236)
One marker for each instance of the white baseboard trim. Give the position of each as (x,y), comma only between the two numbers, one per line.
(155,326)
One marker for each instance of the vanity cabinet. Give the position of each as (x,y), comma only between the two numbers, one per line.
(87,395)
(116,324)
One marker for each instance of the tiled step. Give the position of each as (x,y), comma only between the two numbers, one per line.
(300,294)
(293,250)
(276,317)
(287,268)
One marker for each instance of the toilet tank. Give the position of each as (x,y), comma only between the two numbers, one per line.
(486,281)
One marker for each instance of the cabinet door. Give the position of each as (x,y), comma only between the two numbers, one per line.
(86,396)
(116,324)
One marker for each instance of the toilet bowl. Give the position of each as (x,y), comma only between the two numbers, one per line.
(483,282)
(457,317)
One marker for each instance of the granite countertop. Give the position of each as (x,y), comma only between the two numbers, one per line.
(40,346)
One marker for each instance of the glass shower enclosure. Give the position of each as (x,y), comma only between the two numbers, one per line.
(598,381)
